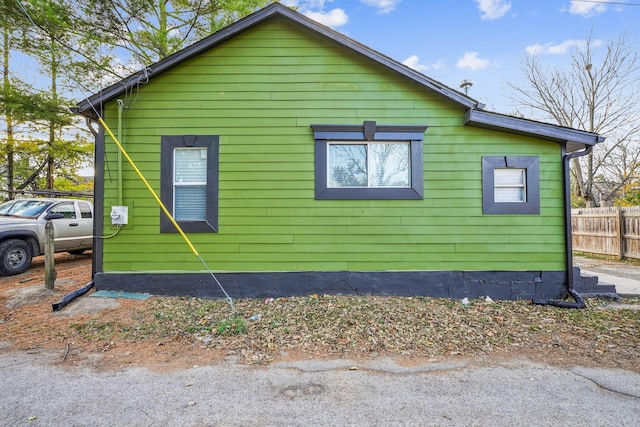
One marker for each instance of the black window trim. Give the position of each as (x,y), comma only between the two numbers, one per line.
(168,144)
(369,131)
(531,164)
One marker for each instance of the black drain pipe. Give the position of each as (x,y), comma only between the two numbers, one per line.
(579,300)
(73,295)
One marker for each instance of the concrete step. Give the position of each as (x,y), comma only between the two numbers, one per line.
(587,285)
(599,289)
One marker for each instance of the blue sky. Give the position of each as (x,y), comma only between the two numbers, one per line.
(485,41)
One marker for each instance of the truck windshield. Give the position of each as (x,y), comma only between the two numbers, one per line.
(24,208)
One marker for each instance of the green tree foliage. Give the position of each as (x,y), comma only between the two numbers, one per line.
(12,102)
(630,195)
(154,29)
(40,143)
(81,46)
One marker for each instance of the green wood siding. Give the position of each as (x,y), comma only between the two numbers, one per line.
(260,91)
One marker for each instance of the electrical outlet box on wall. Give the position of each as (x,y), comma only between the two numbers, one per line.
(119,215)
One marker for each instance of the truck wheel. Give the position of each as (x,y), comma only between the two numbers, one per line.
(15,257)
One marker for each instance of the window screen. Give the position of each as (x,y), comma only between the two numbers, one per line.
(190,184)
(510,185)
(189,178)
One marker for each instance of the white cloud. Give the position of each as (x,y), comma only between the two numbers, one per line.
(314,9)
(561,48)
(587,8)
(383,6)
(414,62)
(493,9)
(472,61)
(334,18)
(304,4)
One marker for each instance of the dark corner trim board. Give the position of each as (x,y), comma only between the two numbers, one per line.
(499,285)
(98,202)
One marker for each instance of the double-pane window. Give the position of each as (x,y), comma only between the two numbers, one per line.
(378,164)
(369,162)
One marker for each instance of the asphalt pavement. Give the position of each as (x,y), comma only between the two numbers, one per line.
(379,392)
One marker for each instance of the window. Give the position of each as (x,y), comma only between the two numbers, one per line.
(26,208)
(368,161)
(85,210)
(68,210)
(190,182)
(510,185)
(377,164)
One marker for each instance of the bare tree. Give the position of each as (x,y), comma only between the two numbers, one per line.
(599,92)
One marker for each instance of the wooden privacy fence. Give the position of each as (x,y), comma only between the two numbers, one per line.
(607,231)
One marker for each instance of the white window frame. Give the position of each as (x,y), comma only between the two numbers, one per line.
(176,184)
(522,184)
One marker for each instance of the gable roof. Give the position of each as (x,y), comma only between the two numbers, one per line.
(575,139)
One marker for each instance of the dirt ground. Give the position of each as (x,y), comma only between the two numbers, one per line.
(26,307)
(28,324)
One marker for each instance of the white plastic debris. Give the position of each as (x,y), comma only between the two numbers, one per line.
(488,299)
(465,301)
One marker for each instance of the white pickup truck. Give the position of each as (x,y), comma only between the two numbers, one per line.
(22,230)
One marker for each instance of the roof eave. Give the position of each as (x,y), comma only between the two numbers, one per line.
(573,138)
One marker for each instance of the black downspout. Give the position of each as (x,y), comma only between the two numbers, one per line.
(579,300)
(96,226)
(73,295)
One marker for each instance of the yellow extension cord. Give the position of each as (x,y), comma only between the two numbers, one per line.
(146,183)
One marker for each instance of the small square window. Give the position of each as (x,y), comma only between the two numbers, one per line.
(510,185)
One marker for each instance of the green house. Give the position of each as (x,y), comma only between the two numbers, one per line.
(297,160)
